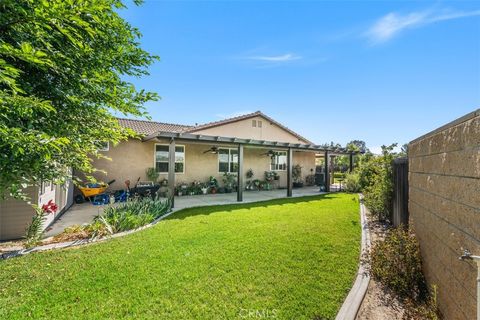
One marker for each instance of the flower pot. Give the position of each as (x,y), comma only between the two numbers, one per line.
(204,190)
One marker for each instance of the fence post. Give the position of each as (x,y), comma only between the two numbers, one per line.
(400,192)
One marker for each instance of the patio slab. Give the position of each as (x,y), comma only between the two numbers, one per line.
(84,213)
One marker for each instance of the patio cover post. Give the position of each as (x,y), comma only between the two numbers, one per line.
(289,172)
(327,174)
(351,162)
(240,174)
(171,170)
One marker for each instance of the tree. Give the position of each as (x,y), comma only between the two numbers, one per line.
(358,146)
(63,65)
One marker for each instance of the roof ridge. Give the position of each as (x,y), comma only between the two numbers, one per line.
(243,117)
(227,120)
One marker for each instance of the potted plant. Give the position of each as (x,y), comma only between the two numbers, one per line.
(249,182)
(204,188)
(164,182)
(271,175)
(229,180)
(213,184)
(256,184)
(178,191)
(297,176)
(152,174)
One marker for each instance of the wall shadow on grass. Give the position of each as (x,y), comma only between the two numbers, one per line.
(206,210)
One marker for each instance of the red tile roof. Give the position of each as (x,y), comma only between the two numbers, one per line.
(145,127)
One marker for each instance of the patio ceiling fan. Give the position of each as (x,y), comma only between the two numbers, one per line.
(270,153)
(213,149)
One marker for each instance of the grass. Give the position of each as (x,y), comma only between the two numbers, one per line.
(291,258)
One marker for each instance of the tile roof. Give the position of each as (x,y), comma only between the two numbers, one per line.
(243,117)
(146,127)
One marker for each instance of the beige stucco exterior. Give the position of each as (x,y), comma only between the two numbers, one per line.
(16,215)
(129,160)
(243,129)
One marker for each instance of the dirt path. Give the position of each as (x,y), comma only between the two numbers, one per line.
(379,304)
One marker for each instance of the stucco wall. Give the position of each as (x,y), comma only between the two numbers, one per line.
(130,159)
(444,205)
(16,215)
(244,129)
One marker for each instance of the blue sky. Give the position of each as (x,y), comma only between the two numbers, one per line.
(379,71)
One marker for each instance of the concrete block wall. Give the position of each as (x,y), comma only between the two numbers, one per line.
(444,205)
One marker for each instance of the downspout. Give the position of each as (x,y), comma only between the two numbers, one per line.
(468,256)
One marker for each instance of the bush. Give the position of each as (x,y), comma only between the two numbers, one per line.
(396,263)
(352,182)
(130,215)
(376,180)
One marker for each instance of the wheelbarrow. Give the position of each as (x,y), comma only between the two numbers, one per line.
(92,190)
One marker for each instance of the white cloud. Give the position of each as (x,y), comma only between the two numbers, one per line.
(393,23)
(233,114)
(280,58)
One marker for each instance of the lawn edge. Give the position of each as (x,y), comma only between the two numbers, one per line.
(354,299)
(84,242)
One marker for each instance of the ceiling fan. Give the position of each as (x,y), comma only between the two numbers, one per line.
(270,153)
(213,150)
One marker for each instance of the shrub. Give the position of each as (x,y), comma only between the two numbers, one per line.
(130,215)
(152,174)
(297,173)
(352,182)
(34,231)
(396,263)
(376,180)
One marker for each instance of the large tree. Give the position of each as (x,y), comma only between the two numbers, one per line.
(63,65)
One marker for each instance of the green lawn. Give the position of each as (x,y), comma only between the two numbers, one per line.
(288,258)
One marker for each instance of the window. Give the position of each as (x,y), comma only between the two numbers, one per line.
(254,123)
(161,158)
(227,160)
(279,161)
(259,123)
(103,145)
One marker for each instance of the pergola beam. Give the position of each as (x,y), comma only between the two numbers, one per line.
(245,142)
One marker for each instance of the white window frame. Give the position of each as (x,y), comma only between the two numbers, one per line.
(229,159)
(164,144)
(277,153)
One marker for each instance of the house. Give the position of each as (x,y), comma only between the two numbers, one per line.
(16,215)
(213,152)
(235,145)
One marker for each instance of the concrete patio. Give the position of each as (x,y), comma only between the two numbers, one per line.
(83,213)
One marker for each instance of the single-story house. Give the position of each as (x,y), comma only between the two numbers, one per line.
(252,142)
(198,160)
